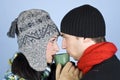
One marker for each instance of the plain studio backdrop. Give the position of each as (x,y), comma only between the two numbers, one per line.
(10,9)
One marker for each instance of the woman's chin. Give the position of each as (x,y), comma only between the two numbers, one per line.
(50,61)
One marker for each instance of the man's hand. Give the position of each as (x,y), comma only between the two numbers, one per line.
(69,72)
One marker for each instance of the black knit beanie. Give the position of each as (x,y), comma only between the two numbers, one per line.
(84,21)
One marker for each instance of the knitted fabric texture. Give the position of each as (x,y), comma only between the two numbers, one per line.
(34,28)
(84,21)
(96,54)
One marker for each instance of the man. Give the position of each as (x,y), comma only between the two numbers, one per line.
(83,31)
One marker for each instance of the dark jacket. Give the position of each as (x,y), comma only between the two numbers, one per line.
(107,70)
(52,73)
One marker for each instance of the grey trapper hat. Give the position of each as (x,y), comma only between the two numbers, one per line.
(34,28)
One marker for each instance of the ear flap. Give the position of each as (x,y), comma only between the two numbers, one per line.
(13,29)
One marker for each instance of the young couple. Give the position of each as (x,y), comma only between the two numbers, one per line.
(83,31)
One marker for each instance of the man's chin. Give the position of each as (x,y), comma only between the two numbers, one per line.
(74,58)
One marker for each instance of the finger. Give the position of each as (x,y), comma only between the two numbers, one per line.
(72,69)
(58,71)
(80,74)
(76,72)
(67,67)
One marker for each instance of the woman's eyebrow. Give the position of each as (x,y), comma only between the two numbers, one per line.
(55,36)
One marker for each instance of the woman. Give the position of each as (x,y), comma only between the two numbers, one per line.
(37,42)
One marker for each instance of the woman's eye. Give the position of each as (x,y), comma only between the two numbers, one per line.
(52,41)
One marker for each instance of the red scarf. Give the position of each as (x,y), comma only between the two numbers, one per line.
(96,54)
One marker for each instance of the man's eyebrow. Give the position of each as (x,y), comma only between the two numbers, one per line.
(61,35)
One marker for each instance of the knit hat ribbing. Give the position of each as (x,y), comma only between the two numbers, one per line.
(84,21)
